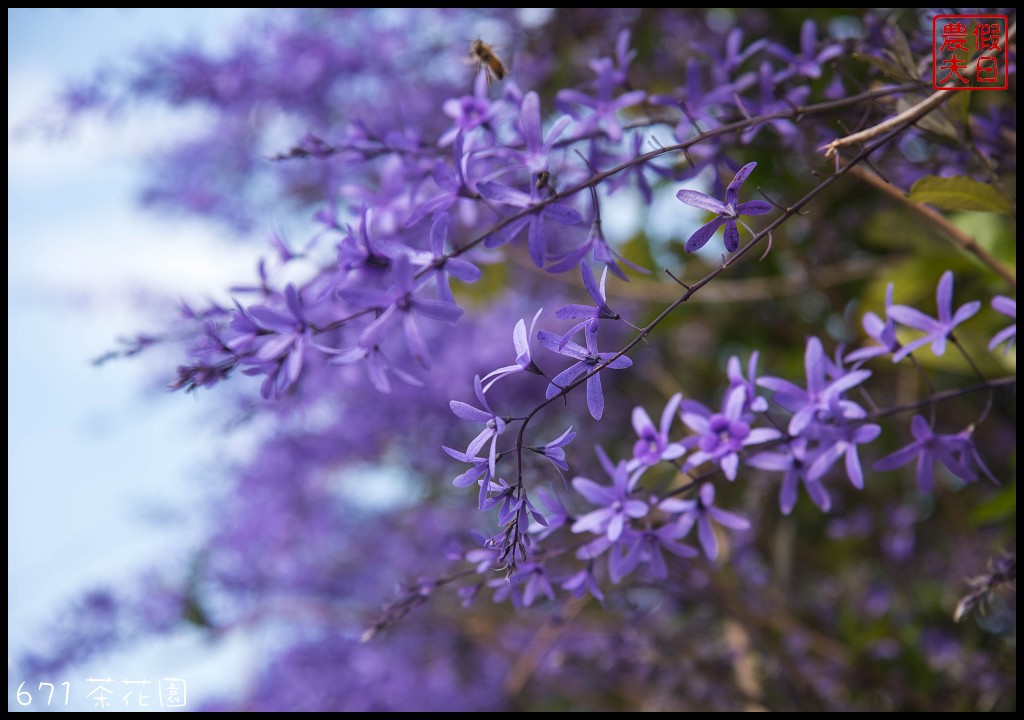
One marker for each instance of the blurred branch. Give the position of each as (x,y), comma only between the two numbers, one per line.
(961,238)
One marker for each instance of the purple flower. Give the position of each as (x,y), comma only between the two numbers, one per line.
(602,253)
(557,515)
(553,450)
(480,473)
(616,505)
(493,425)
(953,451)
(582,583)
(598,311)
(727,212)
(1007,335)
(772,101)
(377,365)
(720,436)
(444,266)
(468,111)
(884,333)
(400,303)
(453,185)
(534,221)
(653,445)
(752,401)
(807,405)
(936,329)
(701,511)
(588,359)
(793,459)
(646,546)
(537,584)
(808,63)
(281,353)
(537,148)
(524,359)
(841,440)
(604,107)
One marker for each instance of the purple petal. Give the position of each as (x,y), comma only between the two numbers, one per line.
(700,238)
(697,199)
(504,194)
(468,412)
(529,118)
(464,270)
(437,310)
(597,494)
(439,234)
(562,214)
(732,236)
(753,207)
(537,242)
(732,192)
(595,397)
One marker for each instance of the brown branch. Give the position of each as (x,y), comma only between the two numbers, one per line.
(912,114)
(958,236)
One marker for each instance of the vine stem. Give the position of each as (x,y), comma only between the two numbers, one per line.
(913,114)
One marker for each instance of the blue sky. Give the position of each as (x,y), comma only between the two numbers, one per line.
(104,468)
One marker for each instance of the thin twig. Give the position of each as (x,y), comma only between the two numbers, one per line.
(915,113)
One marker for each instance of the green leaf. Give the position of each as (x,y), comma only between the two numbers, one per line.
(959,193)
(888,67)
(1000,508)
(936,122)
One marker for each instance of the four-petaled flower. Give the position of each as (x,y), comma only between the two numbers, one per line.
(616,505)
(953,451)
(588,359)
(400,303)
(652,445)
(720,436)
(701,511)
(727,211)
(936,329)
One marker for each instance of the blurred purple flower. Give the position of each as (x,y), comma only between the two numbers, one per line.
(400,303)
(647,546)
(524,359)
(444,266)
(603,105)
(653,445)
(793,459)
(953,451)
(936,329)
(537,147)
(810,59)
(701,511)
(752,401)
(1007,335)
(533,221)
(884,333)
